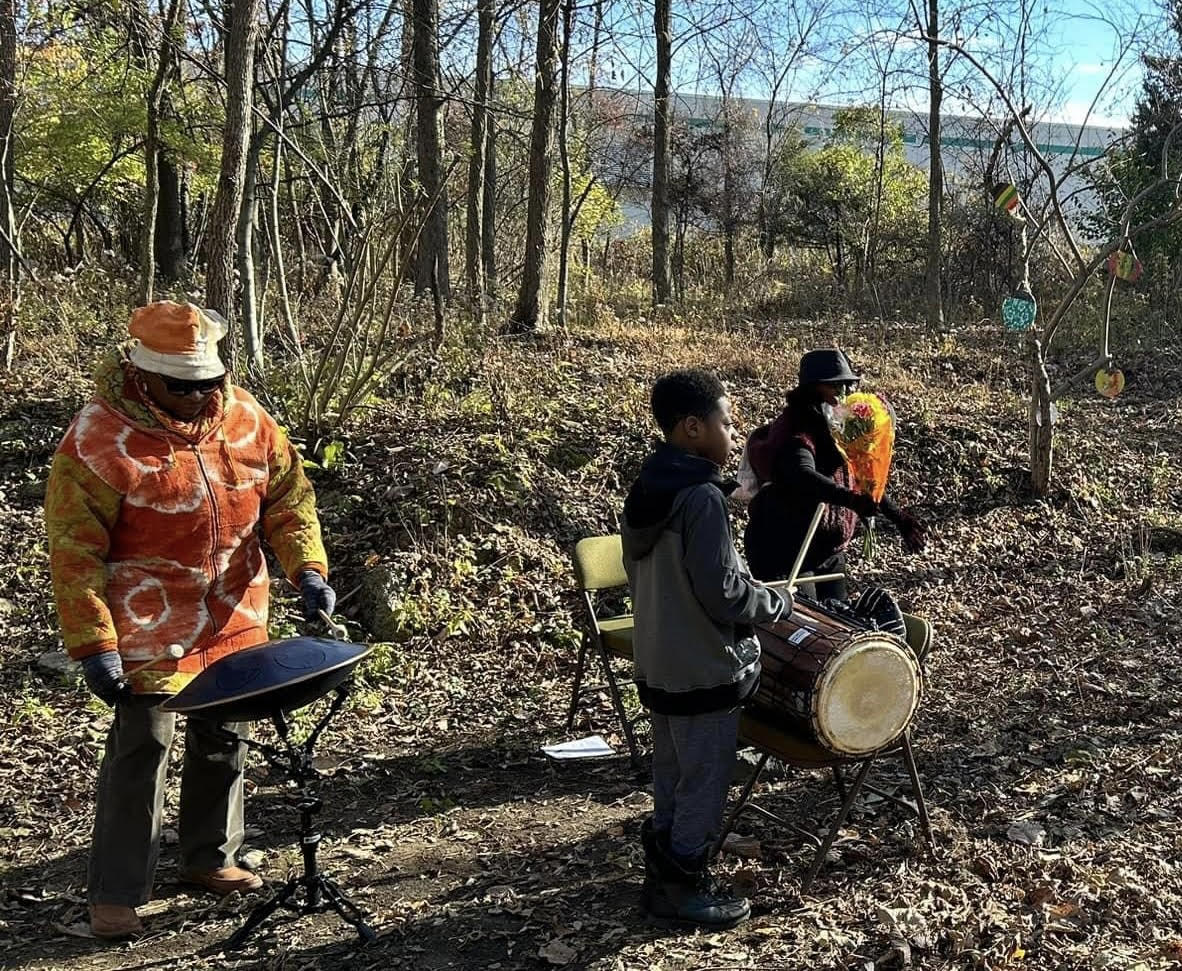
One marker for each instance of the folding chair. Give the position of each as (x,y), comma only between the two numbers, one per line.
(796,750)
(599,566)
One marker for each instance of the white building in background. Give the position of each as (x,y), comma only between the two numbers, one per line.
(966,141)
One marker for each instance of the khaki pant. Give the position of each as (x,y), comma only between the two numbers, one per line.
(130,801)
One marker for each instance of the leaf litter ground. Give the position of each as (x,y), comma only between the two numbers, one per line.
(1048,741)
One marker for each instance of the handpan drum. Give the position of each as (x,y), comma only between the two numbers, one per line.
(852,690)
(278,676)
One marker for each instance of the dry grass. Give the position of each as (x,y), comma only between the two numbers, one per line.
(1054,691)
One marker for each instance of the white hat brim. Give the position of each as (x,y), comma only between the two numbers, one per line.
(195,366)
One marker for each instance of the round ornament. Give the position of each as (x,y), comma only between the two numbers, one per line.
(1110,382)
(1125,266)
(1018,312)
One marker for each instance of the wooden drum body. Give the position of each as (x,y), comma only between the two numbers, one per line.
(853,691)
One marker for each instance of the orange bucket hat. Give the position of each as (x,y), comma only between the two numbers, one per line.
(177,339)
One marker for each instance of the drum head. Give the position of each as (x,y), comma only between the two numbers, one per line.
(866,695)
(254,683)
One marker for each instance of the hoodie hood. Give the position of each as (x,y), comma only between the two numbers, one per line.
(650,502)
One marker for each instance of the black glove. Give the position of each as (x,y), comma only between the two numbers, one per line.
(863,505)
(103,674)
(317,595)
(913,530)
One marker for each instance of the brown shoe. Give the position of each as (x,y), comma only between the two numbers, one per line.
(111,921)
(225,880)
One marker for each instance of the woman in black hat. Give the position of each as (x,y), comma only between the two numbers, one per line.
(799,465)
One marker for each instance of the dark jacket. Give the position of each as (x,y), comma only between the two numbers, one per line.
(798,458)
(693,600)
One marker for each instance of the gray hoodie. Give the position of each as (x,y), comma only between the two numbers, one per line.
(693,600)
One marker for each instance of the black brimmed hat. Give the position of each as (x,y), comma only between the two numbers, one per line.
(827,365)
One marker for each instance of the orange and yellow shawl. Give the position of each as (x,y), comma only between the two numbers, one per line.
(154,527)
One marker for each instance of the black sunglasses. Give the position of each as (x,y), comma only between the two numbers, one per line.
(181,387)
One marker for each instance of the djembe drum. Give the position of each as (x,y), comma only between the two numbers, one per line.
(851,690)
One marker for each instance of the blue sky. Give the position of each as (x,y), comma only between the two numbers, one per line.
(1074,45)
(1088,49)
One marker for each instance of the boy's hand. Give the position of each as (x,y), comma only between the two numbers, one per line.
(789,606)
(103,674)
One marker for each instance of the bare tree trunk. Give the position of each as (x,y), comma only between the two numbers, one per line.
(662,24)
(593,62)
(276,243)
(172,242)
(9,261)
(252,333)
(935,297)
(1041,421)
(241,33)
(870,256)
(488,224)
(729,216)
(155,99)
(530,314)
(431,269)
(478,184)
(564,158)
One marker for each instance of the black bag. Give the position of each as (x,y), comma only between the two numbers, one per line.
(879,608)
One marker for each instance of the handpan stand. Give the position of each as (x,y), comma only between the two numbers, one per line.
(268,682)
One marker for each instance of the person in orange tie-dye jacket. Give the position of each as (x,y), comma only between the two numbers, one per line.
(158,499)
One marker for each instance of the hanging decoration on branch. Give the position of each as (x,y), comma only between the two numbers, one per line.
(1125,266)
(1005,197)
(1019,311)
(1110,382)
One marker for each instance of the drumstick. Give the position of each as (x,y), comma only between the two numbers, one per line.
(804,547)
(339,631)
(806,578)
(174,652)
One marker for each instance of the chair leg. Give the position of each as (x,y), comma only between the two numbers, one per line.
(836,827)
(618,704)
(921,806)
(578,688)
(744,798)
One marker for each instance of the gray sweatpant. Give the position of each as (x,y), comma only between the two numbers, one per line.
(130,801)
(693,758)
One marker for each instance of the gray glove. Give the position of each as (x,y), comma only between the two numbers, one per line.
(317,595)
(103,674)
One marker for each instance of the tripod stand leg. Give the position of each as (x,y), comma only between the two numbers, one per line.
(347,910)
(260,914)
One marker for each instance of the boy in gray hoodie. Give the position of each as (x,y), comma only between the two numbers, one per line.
(697,658)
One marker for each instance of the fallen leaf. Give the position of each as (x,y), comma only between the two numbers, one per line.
(557,952)
(74,930)
(1026,832)
(745,846)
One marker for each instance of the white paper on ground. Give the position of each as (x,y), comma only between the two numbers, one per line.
(591,747)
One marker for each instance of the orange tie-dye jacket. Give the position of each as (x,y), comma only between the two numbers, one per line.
(154,527)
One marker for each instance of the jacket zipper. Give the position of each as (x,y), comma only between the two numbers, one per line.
(215,527)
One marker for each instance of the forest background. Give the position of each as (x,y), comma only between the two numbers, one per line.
(422,222)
